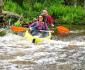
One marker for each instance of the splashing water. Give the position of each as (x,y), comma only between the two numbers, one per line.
(17,53)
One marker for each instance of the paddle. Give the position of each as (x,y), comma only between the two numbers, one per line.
(46,31)
(40,30)
(61,29)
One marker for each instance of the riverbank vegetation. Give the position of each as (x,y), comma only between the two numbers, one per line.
(64,12)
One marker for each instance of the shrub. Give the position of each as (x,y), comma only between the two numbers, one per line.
(66,13)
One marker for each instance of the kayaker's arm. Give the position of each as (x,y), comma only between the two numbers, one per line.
(33,26)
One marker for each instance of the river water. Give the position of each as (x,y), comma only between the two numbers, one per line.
(61,53)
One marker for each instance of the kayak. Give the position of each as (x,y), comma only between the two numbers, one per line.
(28,35)
(36,39)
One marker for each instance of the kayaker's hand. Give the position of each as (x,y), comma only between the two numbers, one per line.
(31,28)
(39,30)
(52,25)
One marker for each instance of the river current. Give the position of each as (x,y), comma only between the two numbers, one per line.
(17,53)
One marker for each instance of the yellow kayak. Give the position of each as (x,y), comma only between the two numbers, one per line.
(36,39)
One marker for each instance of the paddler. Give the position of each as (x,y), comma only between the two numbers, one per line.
(37,26)
(47,18)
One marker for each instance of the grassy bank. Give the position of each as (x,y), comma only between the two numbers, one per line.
(63,14)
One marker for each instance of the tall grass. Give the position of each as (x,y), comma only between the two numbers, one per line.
(13,7)
(66,14)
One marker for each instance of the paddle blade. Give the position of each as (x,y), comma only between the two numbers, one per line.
(18,29)
(62,30)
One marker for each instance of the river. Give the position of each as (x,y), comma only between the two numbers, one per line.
(61,53)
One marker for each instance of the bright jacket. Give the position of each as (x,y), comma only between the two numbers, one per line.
(48,19)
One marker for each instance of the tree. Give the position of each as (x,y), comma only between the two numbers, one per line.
(75,3)
(1,5)
(84,4)
(66,2)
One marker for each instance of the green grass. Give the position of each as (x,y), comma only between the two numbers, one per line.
(65,14)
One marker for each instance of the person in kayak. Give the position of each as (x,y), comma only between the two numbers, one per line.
(37,26)
(47,18)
